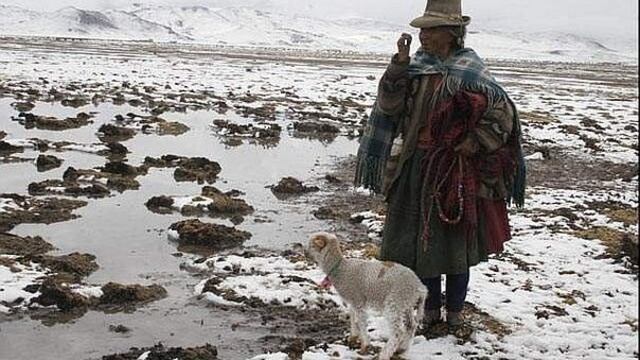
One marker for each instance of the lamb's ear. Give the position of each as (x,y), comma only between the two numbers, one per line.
(319,241)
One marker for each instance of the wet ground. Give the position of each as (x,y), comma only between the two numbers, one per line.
(207,91)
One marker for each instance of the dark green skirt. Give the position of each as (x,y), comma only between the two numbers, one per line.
(447,252)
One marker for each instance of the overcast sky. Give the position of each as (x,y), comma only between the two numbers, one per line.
(589,17)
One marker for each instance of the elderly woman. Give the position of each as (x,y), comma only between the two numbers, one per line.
(443,145)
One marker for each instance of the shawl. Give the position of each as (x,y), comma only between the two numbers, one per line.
(464,70)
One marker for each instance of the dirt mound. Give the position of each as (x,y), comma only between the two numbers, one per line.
(160,352)
(75,265)
(23,106)
(121,168)
(47,162)
(117,175)
(167,128)
(111,133)
(330,212)
(211,236)
(6,148)
(118,294)
(212,202)
(120,329)
(18,245)
(197,169)
(152,123)
(74,102)
(292,186)
(225,203)
(30,121)
(49,187)
(315,130)
(267,134)
(54,293)
(187,169)
(37,211)
(309,327)
(160,204)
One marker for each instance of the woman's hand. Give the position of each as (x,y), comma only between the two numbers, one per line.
(404,47)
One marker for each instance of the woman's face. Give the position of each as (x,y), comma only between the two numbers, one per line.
(435,40)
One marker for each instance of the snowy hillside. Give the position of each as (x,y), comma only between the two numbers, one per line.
(253,27)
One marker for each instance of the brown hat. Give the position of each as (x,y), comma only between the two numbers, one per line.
(441,13)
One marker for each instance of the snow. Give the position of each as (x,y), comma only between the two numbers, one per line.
(373,222)
(87,291)
(197,201)
(245,26)
(218,300)
(144,355)
(541,270)
(7,204)
(270,279)
(12,284)
(84,148)
(275,356)
(535,156)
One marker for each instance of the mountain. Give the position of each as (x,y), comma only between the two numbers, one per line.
(74,22)
(249,26)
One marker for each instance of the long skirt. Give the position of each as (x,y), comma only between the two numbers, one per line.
(448,251)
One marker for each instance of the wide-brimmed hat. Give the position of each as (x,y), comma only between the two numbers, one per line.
(441,13)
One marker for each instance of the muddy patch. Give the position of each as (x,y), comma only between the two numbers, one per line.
(31,121)
(72,301)
(561,171)
(118,296)
(71,268)
(293,331)
(211,201)
(7,148)
(109,133)
(236,134)
(47,162)
(196,169)
(160,352)
(322,131)
(92,183)
(18,209)
(620,245)
(290,186)
(194,235)
(131,123)
(474,320)
(19,245)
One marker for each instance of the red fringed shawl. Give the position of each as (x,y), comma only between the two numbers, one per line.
(451,180)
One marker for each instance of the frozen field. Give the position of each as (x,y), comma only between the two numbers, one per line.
(108,148)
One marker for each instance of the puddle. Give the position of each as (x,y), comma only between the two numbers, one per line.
(130,242)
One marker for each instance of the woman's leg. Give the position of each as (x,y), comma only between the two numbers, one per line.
(456,293)
(432,305)
(434,293)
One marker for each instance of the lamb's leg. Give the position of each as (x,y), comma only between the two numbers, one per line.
(361,323)
(397,329)
(354,333)
(409,329)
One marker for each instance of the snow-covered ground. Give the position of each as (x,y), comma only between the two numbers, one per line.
(13,280)
(239,25)
(555,292)
(550,290)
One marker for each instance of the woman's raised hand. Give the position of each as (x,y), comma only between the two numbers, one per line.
(404,47)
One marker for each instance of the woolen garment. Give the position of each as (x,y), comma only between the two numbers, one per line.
(428,244)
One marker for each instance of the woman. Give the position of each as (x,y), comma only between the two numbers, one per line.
(443,145)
